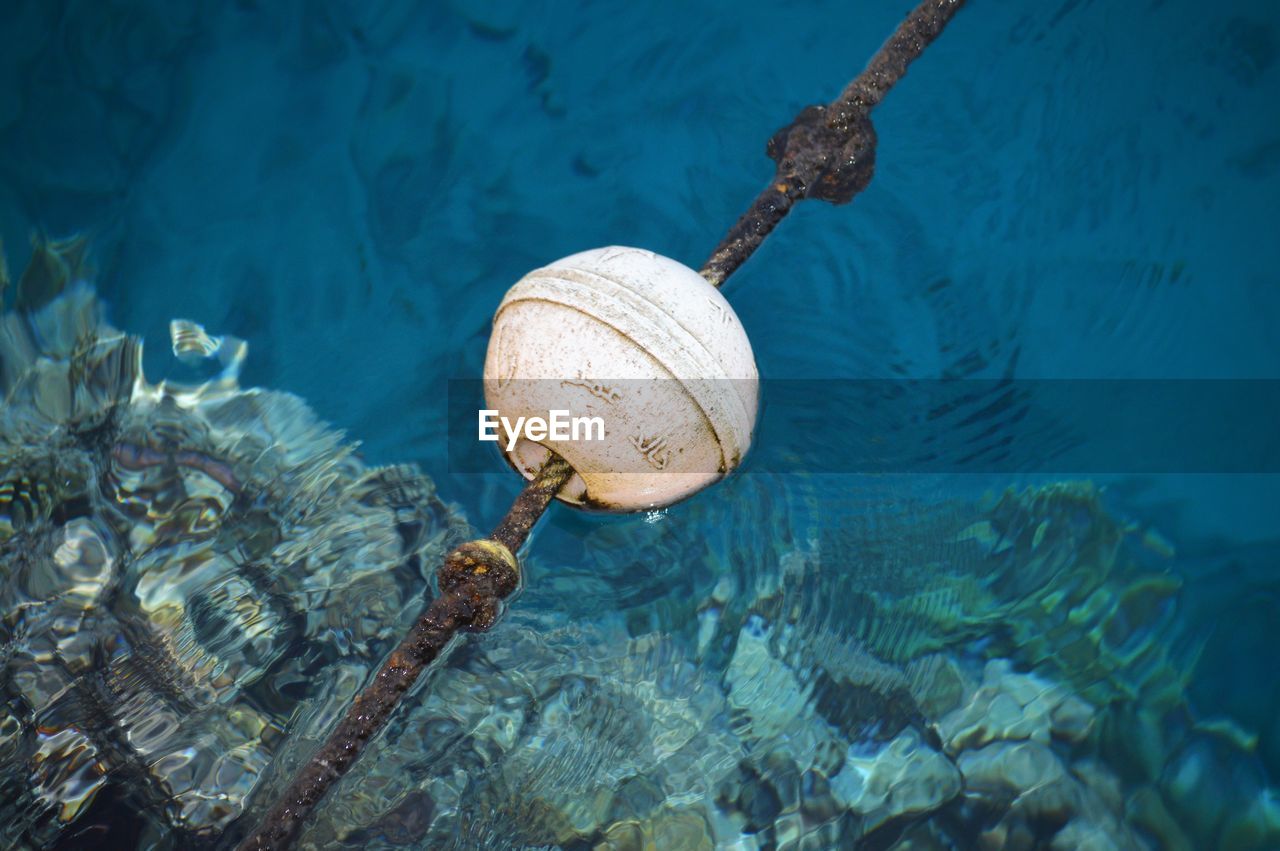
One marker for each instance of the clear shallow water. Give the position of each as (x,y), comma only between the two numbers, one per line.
(1079,191)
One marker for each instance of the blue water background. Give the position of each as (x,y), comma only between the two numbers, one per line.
(1063,190)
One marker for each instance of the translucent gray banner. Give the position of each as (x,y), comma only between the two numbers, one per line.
(948,426)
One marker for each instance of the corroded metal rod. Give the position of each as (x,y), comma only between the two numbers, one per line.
(474,579)
(829,152)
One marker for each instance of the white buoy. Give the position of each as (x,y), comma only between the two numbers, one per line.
(643,344)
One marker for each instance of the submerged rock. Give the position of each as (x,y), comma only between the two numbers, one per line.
(1218,794)
(1034,801)
(195,577)
(669,828)
(1012,706)
(904,778)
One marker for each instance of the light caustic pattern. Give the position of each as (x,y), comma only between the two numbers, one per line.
(198,578)
(170,558)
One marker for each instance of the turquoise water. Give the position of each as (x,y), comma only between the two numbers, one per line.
(1078,190)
